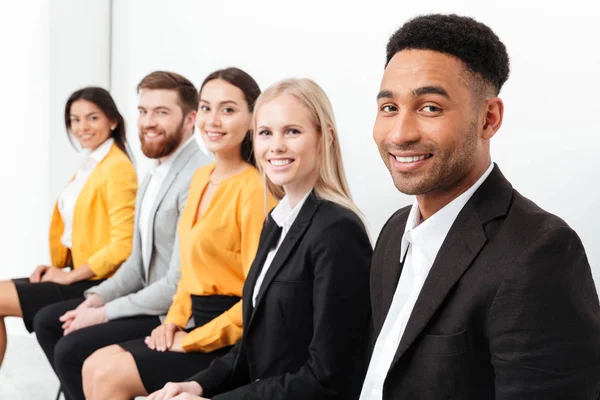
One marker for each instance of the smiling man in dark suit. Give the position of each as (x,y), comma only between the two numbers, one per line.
(477,293)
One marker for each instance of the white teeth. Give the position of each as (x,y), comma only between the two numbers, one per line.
(86,137)
(215,134)
(152,134)
(279,163)
(410,159)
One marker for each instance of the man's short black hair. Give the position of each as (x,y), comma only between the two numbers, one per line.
(474,43)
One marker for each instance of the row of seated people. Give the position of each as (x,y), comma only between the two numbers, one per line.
(253,276)
(187,243)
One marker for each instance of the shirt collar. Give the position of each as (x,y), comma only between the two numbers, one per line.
(283,214)
(101,151)
(162,169)
(429,235)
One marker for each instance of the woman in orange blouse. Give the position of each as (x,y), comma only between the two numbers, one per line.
(218,235)
(92,222)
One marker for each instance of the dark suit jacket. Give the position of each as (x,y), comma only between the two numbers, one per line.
(307,338)
(508,311)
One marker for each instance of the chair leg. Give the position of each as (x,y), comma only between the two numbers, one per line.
(60,391)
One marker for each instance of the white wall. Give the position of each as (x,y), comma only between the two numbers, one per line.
(546,148)
(79,38)
(49,49)
(24,109)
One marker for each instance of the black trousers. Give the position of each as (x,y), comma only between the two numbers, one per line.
(67,353)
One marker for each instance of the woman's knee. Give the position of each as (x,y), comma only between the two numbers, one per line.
(9,300)
(99,358)
(113,373)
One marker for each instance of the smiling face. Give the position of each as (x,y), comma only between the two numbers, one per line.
(223,117)
(287,144)
(428,126)
(161,122)
(89,124)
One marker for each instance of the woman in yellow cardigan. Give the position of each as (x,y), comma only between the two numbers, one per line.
(218,234)
(91,229)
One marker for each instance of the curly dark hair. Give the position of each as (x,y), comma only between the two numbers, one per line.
(474,43)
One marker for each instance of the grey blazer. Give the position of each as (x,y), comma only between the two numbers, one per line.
(139,289)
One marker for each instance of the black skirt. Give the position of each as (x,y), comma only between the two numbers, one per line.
(157,368)
(35,296)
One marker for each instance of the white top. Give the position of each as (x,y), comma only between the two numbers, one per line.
(158,173)
(68,197)
(284,216)
(420,245)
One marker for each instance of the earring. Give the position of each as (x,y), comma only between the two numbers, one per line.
(112,128)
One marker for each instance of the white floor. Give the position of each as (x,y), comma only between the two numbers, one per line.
(25,373)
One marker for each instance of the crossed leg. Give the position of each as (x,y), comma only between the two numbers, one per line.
(9,307)
(111,373)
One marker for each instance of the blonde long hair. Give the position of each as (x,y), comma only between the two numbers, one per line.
(331,184)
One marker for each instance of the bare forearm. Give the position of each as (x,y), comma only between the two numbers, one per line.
(80,274)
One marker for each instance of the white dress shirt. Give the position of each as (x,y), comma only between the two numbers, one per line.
(284,216)
(158,173)
(68,197)
(420,245)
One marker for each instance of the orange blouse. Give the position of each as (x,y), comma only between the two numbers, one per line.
(217,251)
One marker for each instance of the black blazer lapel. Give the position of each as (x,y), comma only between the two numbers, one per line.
(266,237)
(386,267)
(463,243)
(392,268)
(292,238)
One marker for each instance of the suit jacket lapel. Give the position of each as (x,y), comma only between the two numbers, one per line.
(188,151)
(138,208)
(266,237)
(292,238)
(390,273)
(463,243)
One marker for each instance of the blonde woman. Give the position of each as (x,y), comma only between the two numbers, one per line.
(306,299)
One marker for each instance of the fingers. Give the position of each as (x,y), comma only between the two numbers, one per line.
(169,335)
(167,392)
(37,274)
(150,342)
(172,390)
(69,327)
(48,275)
(162,339)
(68,315)
(66,325)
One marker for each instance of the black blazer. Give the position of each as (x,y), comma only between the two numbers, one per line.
(307,338)
(509,309)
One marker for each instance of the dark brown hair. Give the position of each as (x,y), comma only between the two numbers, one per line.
(101,98)
(243,81)
(186,91)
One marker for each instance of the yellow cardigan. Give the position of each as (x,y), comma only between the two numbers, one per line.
(103,219)
(217,251)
